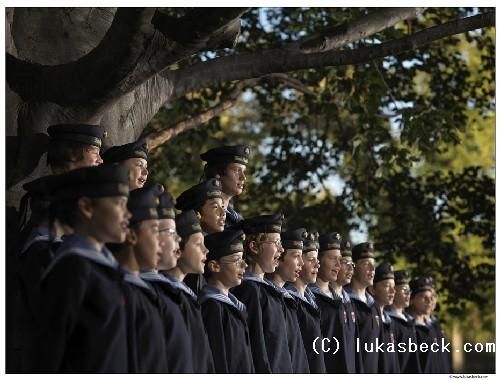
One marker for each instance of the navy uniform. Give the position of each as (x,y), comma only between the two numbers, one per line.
(221,156)
(337,318)
(309,315)
(194,198)
(266,315)
(82,316)
(366,315)
(292,239)
(35,256)
(225,317)
(388,361)
(179,353)
(404,331)
(430,362)
(187,223)
(146,343)
(29,254)
(120,153)
(434,322)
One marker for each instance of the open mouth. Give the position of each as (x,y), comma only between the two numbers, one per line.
(141,180)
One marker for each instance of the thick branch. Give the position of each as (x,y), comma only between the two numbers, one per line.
(201,25)
(257,64)
(92,76)
(290,82)
(155,139)
(343,34)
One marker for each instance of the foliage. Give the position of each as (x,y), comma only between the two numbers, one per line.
(401,147)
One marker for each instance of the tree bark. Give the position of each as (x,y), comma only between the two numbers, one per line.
(94,75)
(343,34)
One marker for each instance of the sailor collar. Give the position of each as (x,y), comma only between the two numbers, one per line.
(369,299)
(134,279)
(36,235)
(314,288)
(211,292)
(179,285)
(74,245)
(394,315)
(308,296)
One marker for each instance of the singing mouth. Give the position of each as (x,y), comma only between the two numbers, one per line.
(141,180)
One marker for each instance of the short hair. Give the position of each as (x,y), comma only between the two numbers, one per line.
(62,152)
(247,253)
(213,169)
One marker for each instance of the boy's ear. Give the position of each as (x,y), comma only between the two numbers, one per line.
(86,207)
(131,237)
(213,266)
(253,247)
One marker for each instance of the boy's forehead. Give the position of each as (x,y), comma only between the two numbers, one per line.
(235,255)
(272,235)
(310,254)
(367,260)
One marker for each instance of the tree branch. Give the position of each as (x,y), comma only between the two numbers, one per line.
(257,64)
(200,26)
(290,82)
(92,76)
(156,139)
(343,34)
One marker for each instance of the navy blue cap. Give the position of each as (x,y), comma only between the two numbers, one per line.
(345,248)
(224,243)
(166,208)
(330,240)
(421,284)
(136,149)
(363,251)
(383,271)
(293,239)
(401,277)
(227,154)
(142,203)
(195,197)
(88,134)
(41,187)
(310,240)
(187,224)
(263,224)
(106,180)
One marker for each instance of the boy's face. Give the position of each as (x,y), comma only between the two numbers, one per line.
(194,254)
(233,180)
(364,272)
(213,216)
(434,300)
(109,219)
(147,249)
(91,157)
(402,296)
(232,269)
(309,270)
(137,171)
(269,252)
(169,244)
(330,265)
(291,264)
(422,302)
(384,291)
(346,270)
